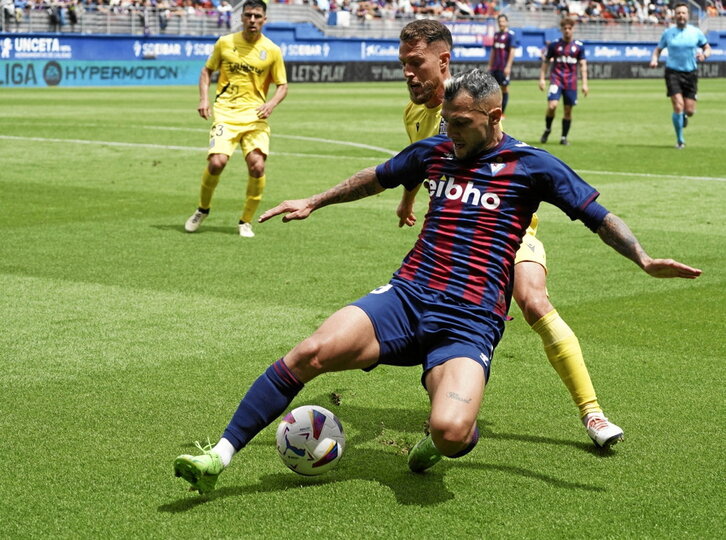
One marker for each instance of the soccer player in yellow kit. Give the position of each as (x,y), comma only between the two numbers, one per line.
(425,52)
(247,62)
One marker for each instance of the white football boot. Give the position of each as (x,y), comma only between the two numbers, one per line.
(245,230)
(602,432)
(195,221)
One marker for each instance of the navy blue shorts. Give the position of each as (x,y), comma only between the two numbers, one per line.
(502,79)
(417,325)
(569,97)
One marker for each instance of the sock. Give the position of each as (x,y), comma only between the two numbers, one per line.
(566,127)
(266,399)
(564,353)
(225,450)
(255,187)
(469,447)
(209,184)
(548,122)
(505,100)
(678,126)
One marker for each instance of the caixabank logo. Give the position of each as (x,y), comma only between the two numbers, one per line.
(52,74)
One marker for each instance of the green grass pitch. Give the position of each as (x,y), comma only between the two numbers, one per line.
(124,339)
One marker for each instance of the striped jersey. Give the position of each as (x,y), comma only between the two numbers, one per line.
(478,212)
(501,48)
(566,57)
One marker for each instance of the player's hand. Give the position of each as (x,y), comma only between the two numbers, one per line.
(204,110)
(585,89)
(668,268)
(654,63)
(297,209)
(700,56)
(405,214)
(542,84)
(264,111)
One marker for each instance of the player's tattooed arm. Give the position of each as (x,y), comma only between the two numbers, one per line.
(615,233)
(362,184)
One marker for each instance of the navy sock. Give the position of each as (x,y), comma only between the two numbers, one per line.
(566,127)
(470,446)
(505,100)
(266,399)
(548,122)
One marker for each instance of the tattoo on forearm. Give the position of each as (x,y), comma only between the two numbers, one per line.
(457,397)
(615,233)
(361,184)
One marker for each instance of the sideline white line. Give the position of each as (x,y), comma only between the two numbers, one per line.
(174,147)
(653,175)
(325,156)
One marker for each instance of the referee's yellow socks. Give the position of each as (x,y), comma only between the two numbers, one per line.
(255,187)
(564,353)
(209,183)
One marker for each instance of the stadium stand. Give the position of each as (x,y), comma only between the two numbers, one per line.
(613,20)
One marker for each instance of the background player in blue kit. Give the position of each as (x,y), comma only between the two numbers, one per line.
(444,308)
(502,57)
(685,44)
(565,55)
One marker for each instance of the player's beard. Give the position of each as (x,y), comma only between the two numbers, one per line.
(426,92)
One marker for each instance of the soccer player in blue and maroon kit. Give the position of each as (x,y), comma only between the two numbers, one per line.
(501,57)
(445,307)
(564,55)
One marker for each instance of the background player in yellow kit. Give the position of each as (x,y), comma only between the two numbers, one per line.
(425,52)
(247,62)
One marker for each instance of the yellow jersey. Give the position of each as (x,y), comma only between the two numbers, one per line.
(422,122)
(245,73)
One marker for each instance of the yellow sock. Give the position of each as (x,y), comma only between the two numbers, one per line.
(564,353)
(255,187)
(209,183)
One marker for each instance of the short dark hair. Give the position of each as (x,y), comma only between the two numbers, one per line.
(680,4)
(427,29)
(477,83)
(503,16)
(255,4)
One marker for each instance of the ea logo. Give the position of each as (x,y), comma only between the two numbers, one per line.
(52,73)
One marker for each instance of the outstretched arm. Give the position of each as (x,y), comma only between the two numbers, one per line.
(616,234)
(362,184)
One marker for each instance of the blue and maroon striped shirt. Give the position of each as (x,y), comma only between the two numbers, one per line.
(501,48)
(478,212)
(566,57)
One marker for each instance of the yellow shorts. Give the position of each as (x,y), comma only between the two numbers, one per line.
(224,137)
(531,250)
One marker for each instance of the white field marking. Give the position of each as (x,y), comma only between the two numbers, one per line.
(174,147)
(651,175)
(324,156)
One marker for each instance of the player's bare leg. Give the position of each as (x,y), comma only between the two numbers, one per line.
(210,179)
(455,389)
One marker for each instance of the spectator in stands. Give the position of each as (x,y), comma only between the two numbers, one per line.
(224,15)
(564,56)
(164,14)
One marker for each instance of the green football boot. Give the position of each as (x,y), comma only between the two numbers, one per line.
(423,455)
(200,471)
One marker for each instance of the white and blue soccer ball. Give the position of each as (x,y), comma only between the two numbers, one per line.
(310,440)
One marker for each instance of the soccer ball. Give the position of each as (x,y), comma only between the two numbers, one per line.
(310,440)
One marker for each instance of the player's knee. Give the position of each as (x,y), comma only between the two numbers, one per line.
(216,164)
(309,356)
(450,435)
